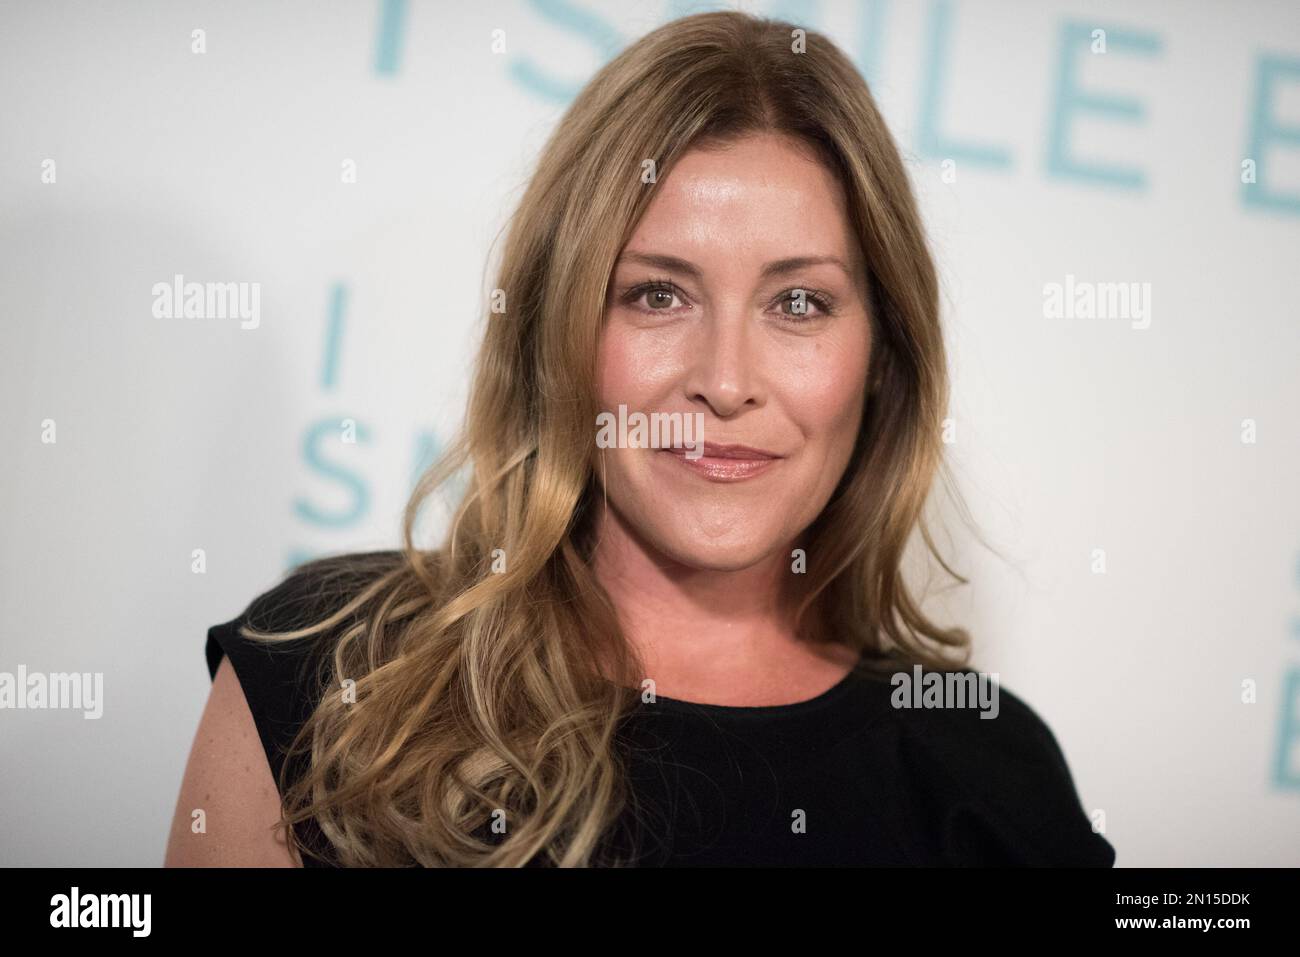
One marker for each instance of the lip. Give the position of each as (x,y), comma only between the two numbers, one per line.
(726,463)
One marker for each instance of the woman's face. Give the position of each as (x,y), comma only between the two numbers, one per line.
(741,296)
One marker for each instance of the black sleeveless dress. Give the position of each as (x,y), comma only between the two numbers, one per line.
(842,779)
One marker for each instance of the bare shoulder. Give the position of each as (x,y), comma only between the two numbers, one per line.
(261,696)
(228,806)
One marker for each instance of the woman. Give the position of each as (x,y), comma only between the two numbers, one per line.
(656,655)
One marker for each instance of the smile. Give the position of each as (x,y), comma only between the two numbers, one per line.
(725,463)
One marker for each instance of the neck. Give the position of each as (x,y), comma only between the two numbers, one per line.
(697,627)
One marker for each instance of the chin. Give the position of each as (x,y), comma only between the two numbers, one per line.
(731,553)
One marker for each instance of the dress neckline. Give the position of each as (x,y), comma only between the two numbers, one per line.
(831,694)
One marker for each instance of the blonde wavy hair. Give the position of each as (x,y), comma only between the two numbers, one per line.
(479,692)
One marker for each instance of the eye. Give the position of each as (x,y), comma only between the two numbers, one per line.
(800,304)
(658,296)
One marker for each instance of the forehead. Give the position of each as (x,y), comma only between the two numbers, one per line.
(764,197)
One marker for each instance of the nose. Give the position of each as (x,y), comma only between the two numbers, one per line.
(725,373)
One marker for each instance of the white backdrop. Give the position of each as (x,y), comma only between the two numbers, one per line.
(128,158)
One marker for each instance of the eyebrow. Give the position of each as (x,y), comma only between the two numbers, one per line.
(777,267)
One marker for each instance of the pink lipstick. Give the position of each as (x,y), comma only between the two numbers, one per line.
(726,463)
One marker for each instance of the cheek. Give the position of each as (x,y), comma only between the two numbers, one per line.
(630,371)
(612,373)
(633,366)
(826,390)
